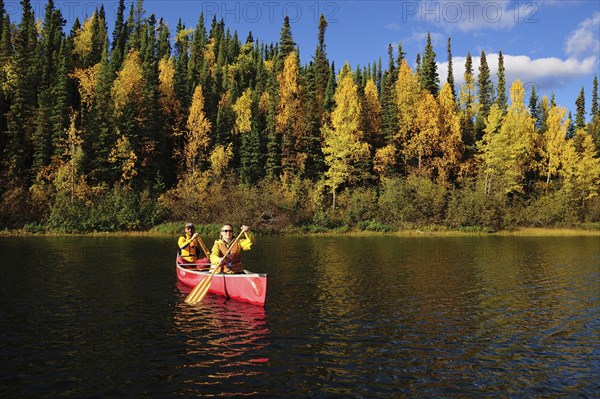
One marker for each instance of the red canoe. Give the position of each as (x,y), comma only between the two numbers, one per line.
(246,287)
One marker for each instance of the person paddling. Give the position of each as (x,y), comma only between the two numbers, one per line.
(191,248)
(232,263)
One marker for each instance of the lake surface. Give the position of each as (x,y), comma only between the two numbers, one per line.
(350,317)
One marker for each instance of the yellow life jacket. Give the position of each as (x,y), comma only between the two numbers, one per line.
(190,252)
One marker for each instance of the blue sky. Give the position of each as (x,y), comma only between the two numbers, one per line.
(553,44)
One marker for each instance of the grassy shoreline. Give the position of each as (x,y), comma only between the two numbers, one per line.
(431,231)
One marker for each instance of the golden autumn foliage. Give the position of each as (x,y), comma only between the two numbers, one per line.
(220,158)
(166,85)
(384,161)
(507,148)
(288,107)
(129,84)
(581,170)
(124,156)
(243,111)
(82,40)
(408,92)
(451,146)
(371,111)
(343,145)
(86,83)
(198,129)
(554,141)
(425,138)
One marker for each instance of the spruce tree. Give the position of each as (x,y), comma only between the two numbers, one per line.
(196,61)
(450,78)
(534,107)
(595,110)
(181,63)
(501,98)
(466,102)
(580,116)
(484,93)
(428,76)
(119,38)
(164,43)
(286,43)
(389,113)
(20,118)
(571,128)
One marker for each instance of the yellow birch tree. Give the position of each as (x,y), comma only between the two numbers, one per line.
(290,120)
(198,128)
(129,83)
(554,140)
(426,136)
(342,141)
(581,170)
(407,99)
(509,154)
(451,145)
(243,111)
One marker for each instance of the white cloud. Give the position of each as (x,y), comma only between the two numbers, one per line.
(546,74)
(471,16)
(585,40)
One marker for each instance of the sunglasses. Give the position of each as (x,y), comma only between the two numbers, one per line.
(227,231)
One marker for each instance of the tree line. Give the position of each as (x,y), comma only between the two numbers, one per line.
(124,130)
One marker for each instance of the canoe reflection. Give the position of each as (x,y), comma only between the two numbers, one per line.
(222,335)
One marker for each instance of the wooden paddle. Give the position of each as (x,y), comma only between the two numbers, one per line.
(200,291)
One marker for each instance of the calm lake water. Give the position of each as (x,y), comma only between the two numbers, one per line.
(350,317)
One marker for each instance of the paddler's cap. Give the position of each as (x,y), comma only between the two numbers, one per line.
(189,225)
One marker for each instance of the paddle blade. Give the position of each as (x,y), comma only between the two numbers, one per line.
(200,290)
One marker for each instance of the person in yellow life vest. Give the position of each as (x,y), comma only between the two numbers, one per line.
(190,249)
(232,263)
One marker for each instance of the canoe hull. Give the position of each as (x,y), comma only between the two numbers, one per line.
(247,287)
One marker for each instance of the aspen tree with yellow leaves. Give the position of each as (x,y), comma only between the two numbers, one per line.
(507,152)
(554,141)
(581,169)
(290,118)
(343,145)
(198,128)
(451,146)
(408,91)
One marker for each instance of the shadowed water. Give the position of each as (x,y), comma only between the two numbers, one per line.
(86,317)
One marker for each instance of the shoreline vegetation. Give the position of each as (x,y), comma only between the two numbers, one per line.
(153,125)
(171,229)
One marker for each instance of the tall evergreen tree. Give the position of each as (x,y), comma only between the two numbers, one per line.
(534,107)
(571,128)
(484,94)
(580,116)
(164,43)
(321,69)
(286,43)
(401,55)
(181,63)
(49,46)
(450,78)
(594,125)
(428,75)
(468,109)
(196,61)
(119,38)
(389,117)
(21,114)
(501,98)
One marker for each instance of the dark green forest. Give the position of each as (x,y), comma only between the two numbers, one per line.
(147,125)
